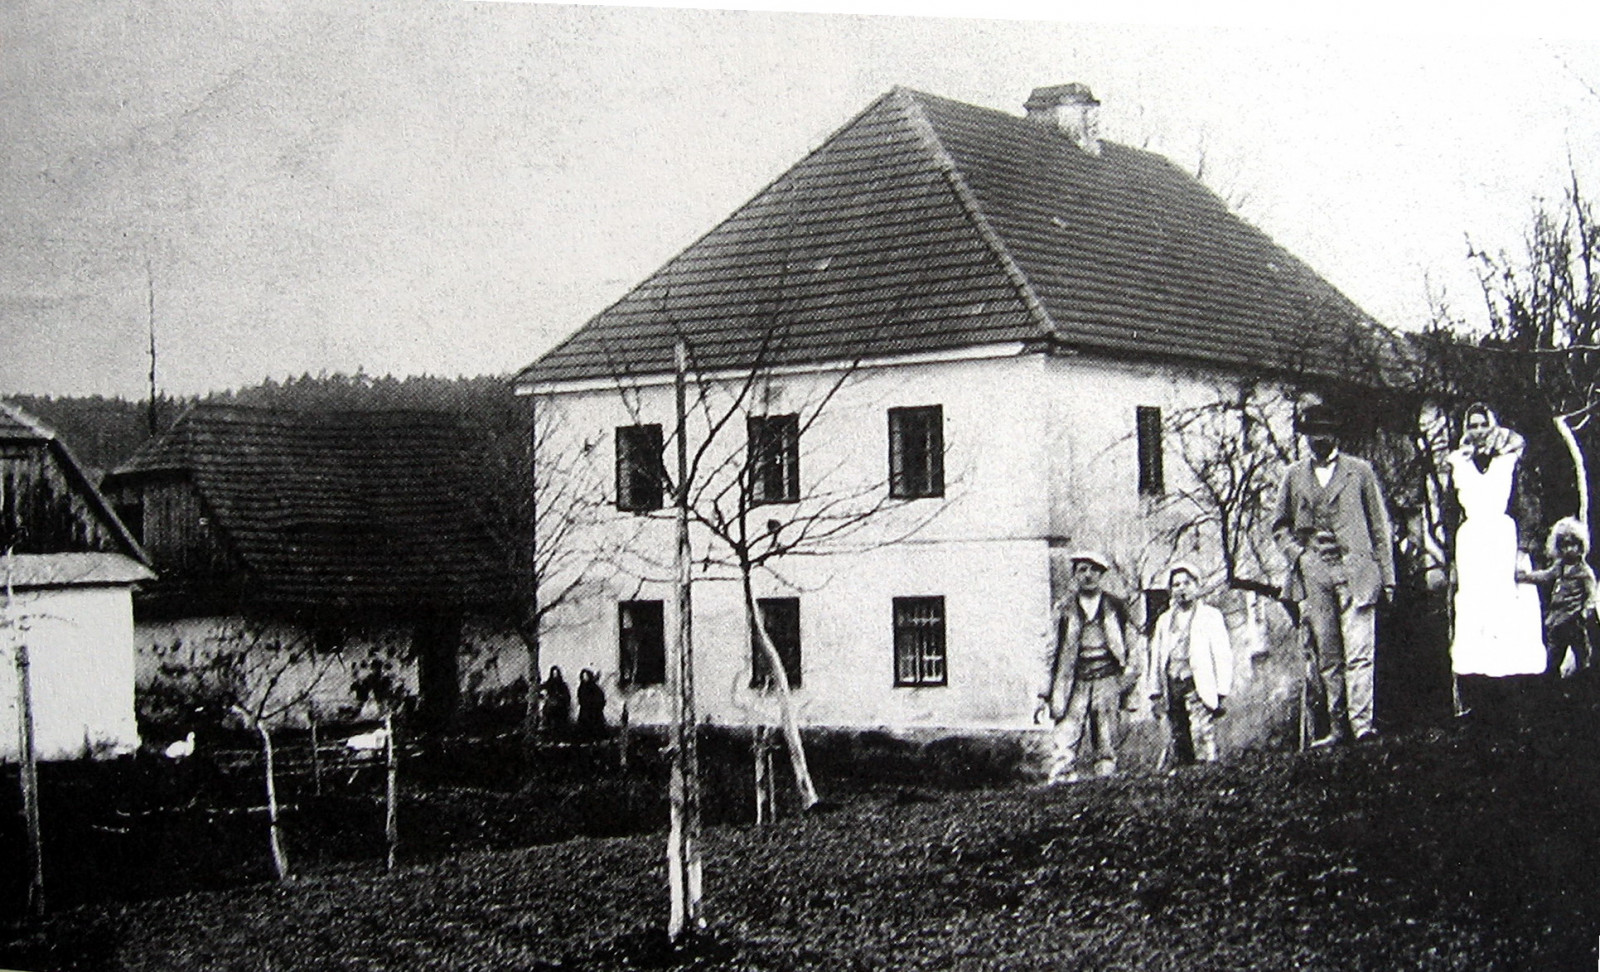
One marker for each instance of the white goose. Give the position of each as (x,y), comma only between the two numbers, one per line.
(368,743)
(182,749)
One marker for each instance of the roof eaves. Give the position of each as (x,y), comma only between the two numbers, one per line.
(969,205)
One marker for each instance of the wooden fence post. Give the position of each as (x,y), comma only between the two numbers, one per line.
(316,751)
(391,822)
(29,769)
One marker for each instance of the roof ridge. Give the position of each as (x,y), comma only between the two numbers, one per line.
(929,138)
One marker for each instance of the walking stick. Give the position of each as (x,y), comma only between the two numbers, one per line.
(1305,690)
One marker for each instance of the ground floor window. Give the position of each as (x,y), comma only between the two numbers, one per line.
(919,644)
(781,616)
(641,644)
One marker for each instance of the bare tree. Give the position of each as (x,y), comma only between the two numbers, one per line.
(1544,320)
(259,672)
(1234,450)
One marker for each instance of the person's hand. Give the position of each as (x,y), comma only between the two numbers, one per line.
(1388,594)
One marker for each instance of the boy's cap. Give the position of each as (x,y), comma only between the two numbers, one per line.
(1091,557)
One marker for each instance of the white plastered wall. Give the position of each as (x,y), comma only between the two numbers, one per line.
(80,652)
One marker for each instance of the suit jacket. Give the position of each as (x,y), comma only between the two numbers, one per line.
(1210,655)
(1352,510)
(1120,635)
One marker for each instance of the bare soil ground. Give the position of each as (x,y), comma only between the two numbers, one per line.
(1473,846)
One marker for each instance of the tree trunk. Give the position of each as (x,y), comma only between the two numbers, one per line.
(1565,431)
(780,686)
(683,837)
(533,713)
(280,860)
(766,802)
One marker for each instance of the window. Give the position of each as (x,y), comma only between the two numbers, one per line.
(781,615)
(1156,600)
(641,644)
(1152,479)
(639,471)
(916,452)
(919,641)
(774,458)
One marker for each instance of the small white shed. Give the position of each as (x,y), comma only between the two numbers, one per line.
(74,614)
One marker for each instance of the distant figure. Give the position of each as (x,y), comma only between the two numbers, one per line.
(591,705)
(1333,528)
(557,702)
(1572,599)
(1191,666)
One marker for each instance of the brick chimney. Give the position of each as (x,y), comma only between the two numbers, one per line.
(1071,108)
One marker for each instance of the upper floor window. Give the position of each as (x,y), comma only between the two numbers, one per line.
(919,648)
(781,617)
(1152,476)
(641,644)
(916,452)
(639,470)
(774,457)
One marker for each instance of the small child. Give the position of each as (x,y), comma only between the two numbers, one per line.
(1572,596)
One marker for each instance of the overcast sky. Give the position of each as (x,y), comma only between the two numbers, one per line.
(449,188)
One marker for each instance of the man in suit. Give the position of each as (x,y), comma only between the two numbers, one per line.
(1333,528)
(1093,672)
(1191,666)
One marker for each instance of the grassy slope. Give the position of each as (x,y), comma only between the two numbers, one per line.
(1473,847)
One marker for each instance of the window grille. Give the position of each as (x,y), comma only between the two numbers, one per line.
(919,641)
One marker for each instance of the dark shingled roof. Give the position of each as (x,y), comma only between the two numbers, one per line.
(19,426)
(365,509)
(926,224)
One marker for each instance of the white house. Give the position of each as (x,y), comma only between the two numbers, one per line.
(67,572)
(969,324)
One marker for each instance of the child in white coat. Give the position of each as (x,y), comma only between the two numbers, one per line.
(1191,664)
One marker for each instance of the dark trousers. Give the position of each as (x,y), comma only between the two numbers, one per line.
(1570,635)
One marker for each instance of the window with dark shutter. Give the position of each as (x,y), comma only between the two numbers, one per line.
(641,644)
(774,457)
(781,616)
(1152,476)
(919,646)
(916,452)
(639,468)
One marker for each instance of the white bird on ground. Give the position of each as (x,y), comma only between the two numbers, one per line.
(182,749)
(368,743)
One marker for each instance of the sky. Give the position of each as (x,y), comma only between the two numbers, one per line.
(450,188)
